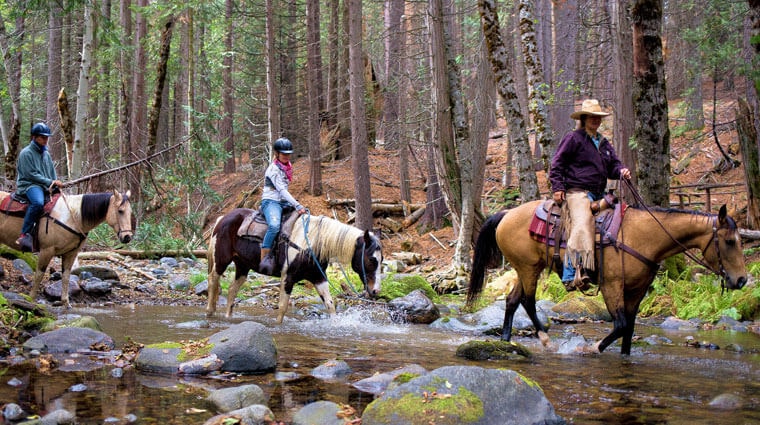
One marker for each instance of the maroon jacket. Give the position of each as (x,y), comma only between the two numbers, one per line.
(577,164)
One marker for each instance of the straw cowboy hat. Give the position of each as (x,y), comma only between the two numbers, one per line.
(589,107)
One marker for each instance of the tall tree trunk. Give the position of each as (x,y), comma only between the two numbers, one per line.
(55,43)
(443,120)
(83,95)
(139,105)
(12,62)
(564,43)
(227,130)
(394,10)
(333,61)
(748,141)
(752,57)
(313,67)
(272,65)
(125,102)
(359,143)
(289,81)
(537,87)
(155,112)
(622,74)
(344,110)
(651,131)
(499,56)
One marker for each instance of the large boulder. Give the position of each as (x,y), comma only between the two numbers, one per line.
(69,340)
(247,347)
(464,395)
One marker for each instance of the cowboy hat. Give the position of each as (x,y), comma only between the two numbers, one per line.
(589,107)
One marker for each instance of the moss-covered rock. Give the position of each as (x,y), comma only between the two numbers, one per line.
(401,285)
(493,350)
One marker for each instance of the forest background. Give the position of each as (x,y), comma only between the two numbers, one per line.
(202,88)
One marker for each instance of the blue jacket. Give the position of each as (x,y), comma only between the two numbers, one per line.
(35,167)
(578,164)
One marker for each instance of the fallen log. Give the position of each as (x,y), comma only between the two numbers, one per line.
(142,255)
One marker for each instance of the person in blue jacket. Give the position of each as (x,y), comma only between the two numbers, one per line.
(36,177)
(275,198)
(580,167)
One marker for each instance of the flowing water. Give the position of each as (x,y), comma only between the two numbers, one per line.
(658,384)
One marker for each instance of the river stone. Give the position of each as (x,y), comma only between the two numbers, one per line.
(580,307)
(319,412)
(55,289)
(414,307)
(228,399)
(331,369)
(59,417)
(726,402)
(247,347)
(464,395)
(158,360)
(257,414)
(69,340)
(100,272)
(379,382)
(13,412)
(493,350)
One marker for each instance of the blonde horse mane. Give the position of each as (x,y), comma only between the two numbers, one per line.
(328,238)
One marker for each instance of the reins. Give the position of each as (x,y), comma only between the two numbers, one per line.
(686,252)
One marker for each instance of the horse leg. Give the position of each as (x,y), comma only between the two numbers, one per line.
(286,287)
(614,298)
(213,292)
(240,277)
(42,262)
(323,288)
(529,303)
(67,262)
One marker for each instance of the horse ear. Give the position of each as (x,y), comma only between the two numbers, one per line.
(722,213)
(367,237)
(128,194)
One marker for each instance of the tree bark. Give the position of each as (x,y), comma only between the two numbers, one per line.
(651,131)
(272,64)
(227,124)
(751,157)
(500,62)
(359,143)
(83,95)
(12,62)
(155,112)
(313,67)
(622,74)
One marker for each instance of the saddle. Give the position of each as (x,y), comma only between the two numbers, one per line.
(547,227)
(254,225)
(16,205)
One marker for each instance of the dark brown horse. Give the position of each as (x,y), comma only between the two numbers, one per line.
(64,229)
(646,237)
(314,240)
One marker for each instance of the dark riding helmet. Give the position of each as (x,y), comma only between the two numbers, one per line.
(283,145)
(41,129)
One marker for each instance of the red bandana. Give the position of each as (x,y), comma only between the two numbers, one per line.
(287,168)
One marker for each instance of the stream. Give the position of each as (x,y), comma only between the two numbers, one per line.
(665,383)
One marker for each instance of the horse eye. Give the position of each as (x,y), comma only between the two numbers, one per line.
(730,242)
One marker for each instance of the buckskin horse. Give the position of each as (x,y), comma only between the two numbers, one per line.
(63,228)
(646,237)
(313,241)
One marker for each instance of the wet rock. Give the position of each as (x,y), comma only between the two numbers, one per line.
(22,266)
(13,412)
(491,318)
(179,283)
(168,262)
(97,287)
(55,290)
(452,324)
(256,414)
(726,402)
(68,340)
(156,359)
(331,370)
(582,307)
(100,272)
(201,289)
(247,347)
(415,307)
(232,398)
(493,350)
(678,324)
(320,412)
(379,382)
(59,417)
(575,345)
(464,394)
(200,366)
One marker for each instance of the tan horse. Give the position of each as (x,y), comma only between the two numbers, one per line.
(646,238)
(62,232)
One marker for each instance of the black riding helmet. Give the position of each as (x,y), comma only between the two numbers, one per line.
(41,129)
(283,145)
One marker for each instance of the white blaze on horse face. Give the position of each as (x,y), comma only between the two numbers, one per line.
(375,289)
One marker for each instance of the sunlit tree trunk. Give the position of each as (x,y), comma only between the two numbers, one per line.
(651,131)
(272,65)
(622,74)
(83,95)
(313,71)
(12,62)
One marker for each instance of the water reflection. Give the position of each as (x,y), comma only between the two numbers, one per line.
(671,384)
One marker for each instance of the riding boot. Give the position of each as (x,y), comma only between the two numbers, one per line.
(25,242)
(266,265)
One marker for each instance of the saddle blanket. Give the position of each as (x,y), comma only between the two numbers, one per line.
(16,206)
(547,217)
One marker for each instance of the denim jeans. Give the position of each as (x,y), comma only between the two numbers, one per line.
(568,271)
(36,197)
(273,214)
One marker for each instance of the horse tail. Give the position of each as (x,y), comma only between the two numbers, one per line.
(486,254)
(212,246)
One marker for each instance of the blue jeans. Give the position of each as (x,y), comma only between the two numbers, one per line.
(273,214)
(36,197)
(568,271)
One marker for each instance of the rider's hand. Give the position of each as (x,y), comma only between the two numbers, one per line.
(302,211)
(625,173)
(559,197)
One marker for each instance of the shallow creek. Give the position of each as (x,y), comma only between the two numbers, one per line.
(657,384)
